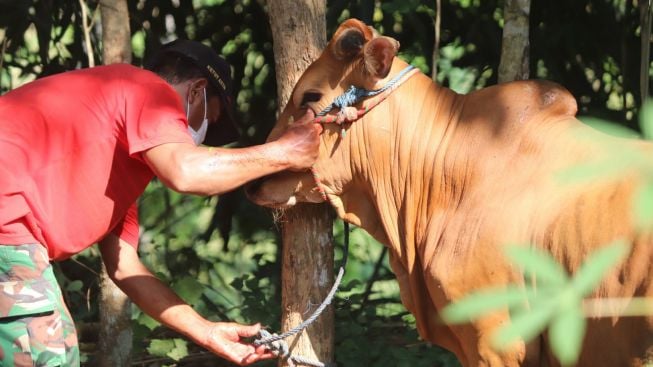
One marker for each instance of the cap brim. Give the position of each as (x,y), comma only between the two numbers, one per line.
(224,131)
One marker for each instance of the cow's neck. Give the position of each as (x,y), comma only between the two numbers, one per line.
(429,173)
(401,173)
(401,164)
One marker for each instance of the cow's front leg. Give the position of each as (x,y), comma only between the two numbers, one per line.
(475,338)
(478,348)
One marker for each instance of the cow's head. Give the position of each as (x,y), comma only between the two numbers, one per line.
(356,55)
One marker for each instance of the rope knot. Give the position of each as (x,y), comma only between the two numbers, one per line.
(350,97)
(276,344)
(346,114)
(278,347)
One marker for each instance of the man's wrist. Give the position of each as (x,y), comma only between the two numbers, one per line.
(278,154)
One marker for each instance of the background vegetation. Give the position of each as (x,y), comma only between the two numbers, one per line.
(221,254)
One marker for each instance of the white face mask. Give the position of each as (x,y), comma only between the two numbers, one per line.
(198,135)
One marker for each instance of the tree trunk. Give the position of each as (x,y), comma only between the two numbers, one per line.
(515,46)
(307,276)
(116,35)
(437,21)
(299,34)
(645,62)
(115,308)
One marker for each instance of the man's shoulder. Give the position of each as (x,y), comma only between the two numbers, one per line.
(127,77)
(123,71)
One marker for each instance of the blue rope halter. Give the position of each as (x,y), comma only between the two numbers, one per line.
(354,94)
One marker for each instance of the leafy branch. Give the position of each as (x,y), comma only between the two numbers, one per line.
(556,302)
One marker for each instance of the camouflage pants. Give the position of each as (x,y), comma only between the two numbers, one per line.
(35,326)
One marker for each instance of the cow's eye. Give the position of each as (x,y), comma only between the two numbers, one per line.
(309,97)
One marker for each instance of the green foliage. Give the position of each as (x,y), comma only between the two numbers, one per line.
(548,298)
(372,326)
(189,289)
(643,207)
(174,348)
(483,302)
(610,128)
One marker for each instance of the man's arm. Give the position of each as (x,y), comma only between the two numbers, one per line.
(161,303)
(209,171)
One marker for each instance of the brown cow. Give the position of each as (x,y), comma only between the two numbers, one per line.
(446,180)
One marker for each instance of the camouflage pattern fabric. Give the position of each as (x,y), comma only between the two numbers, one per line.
(35,326)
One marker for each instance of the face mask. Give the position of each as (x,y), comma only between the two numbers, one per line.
(198,135)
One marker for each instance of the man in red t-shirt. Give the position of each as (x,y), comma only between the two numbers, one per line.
(76,151)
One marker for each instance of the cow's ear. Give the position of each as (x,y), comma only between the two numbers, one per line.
(349,39)
(379,53)
(349,44)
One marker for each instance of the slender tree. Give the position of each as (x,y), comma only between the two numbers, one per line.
(299,35)
(645,34)
(437,28)
(115,307)
(514,63)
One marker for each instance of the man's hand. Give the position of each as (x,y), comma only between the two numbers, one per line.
(301,142)
(160,302)
(224,339)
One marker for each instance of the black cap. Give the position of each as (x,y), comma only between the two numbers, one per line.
(218,73)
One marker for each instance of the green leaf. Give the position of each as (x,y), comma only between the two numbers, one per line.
(238,283)
(643,205)
(525,325)
(538,264)
(588,171)
(610,128)
(75,286)
(646,120)
(252,283)
(179,351)
(160,347)
(596,265)
(483,302)
(147,321)
(189,289)
(566,334)
(173,348)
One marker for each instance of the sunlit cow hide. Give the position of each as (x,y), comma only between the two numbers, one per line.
(446,181)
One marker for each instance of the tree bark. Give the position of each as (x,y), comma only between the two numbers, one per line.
(645,62)
(307,277)
(116,35)
(515,47)
(115,341)
(437,21)
(299,34)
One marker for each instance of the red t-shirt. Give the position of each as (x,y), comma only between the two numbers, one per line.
(71,165)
